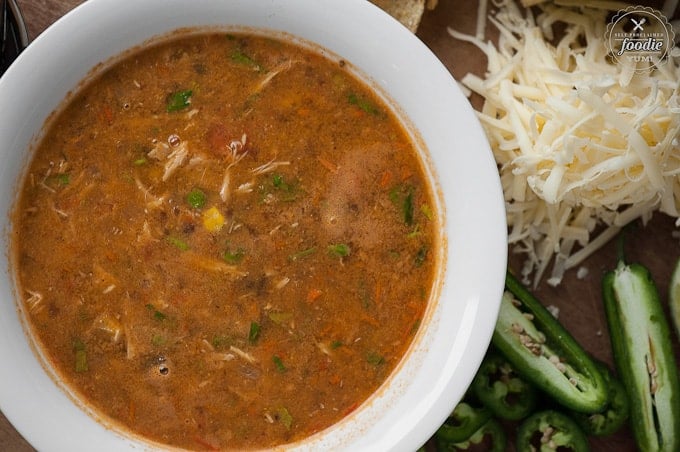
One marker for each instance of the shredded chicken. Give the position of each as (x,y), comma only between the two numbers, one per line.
(173,157)
(110,325)
(153,201)
(282,67)
(269,167)
(237,154)
(214,265)
(244,355)
(34,301)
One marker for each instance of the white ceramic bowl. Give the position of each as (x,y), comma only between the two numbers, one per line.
(453,340)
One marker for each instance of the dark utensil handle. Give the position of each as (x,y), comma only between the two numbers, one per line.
(14,34)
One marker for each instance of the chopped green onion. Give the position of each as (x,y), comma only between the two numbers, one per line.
(179,100)
(250,101)
(375,359)
(158,315)
(394,194)
(279,364)
(234,257)
(61,179)
(196,198)
(365,296)
(363,104)
(280,317)
(302,253)
(140,161)
(158,340)
(336,344)
(239,57)
(288,188)
(221,341)
(339,250)
(282,189)
(254,332)
(407,207)
(127,177)
(427,211)
(81,361)
(178,243)
(415,233)
(402,197)
(414,327)
(285,417)
(80,356)
(277,181)
(421,256)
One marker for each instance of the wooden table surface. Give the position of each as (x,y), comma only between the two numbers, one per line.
(579,300)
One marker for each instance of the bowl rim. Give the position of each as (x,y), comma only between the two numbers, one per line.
(475,229)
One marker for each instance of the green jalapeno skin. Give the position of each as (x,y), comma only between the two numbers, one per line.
(640,338)
(491,433)
(674,298)
(500,388)
(463,422)
(544,352)
(615,414)
(550,430)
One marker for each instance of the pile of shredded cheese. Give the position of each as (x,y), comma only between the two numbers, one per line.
(583,145)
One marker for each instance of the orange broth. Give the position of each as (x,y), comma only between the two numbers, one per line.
(225,241)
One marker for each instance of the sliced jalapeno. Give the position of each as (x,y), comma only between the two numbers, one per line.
(463,422)
(615,414)
(490,436)
(640,338)
(500,388)
(550,430)
(545,353)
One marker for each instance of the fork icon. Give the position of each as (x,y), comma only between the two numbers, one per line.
(638,25)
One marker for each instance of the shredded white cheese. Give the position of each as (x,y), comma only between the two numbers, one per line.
(583,145)
(482,11)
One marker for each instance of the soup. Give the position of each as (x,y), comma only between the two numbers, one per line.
(225,241)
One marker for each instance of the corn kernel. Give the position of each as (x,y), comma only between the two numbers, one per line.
(213,220)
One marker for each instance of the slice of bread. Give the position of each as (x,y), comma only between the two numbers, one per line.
(408,12)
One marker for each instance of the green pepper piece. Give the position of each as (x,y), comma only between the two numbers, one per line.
(643,355)
(545,353)
(550,430)
(463,422)
(674,298)
(499,387)
(615,414)
(491,434)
